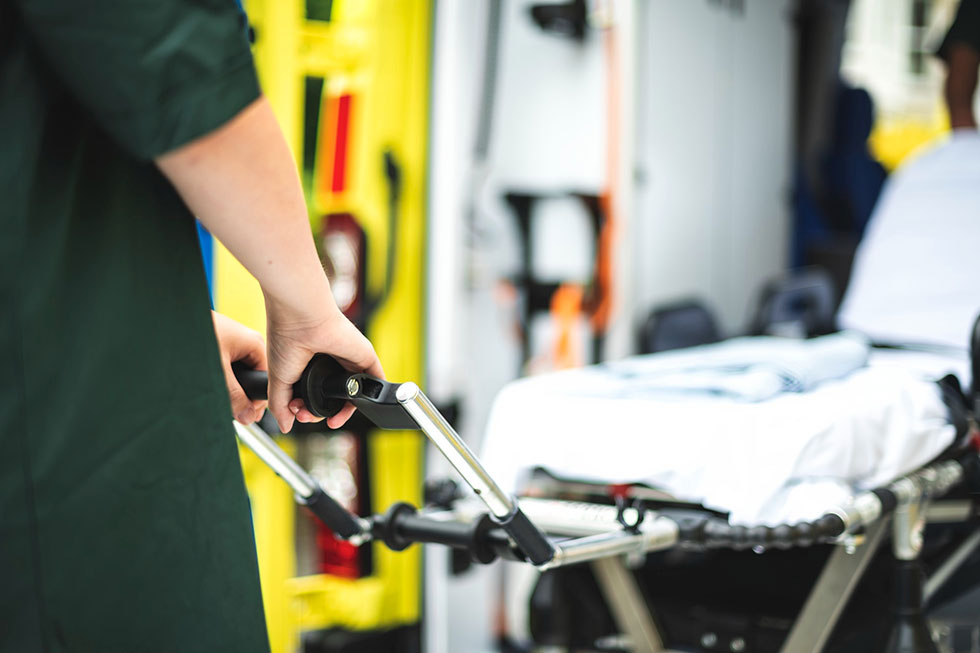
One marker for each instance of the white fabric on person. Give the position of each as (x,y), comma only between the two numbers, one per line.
(762,461)
(916,275)
(928,364)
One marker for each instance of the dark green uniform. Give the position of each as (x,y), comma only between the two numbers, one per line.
(124,524)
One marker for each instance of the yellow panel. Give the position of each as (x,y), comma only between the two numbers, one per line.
(236,292)
(326,49)
(392,91)
(896,138)
(323,601)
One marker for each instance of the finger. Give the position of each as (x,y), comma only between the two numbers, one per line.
(307,417)
(375,369)
(301,412)
(341,417)
(258,408)
(279,395)
(241,406)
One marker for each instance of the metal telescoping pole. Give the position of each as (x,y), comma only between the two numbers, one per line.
(448,442)
(661,534)
(504,510)
(263,446)
(307,490)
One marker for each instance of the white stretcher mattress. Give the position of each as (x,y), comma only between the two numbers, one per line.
(830,419)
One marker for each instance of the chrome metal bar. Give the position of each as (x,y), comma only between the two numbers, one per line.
(840,576)
(660,534)
(577,518)
(269,452)
(931,481)
(908,525)
(444,437)
(949,511)
(626,602)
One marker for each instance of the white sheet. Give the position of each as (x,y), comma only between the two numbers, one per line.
(786,458)
(747,369)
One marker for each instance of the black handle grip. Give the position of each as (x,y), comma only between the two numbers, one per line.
(322,386)
(334,515)
(255,383)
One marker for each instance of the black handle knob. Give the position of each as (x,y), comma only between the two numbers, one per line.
(322,386)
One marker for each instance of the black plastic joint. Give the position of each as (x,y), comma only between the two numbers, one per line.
(528,538)
(389,532)
(334,515)
(480,549)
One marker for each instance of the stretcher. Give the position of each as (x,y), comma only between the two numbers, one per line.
(612,528)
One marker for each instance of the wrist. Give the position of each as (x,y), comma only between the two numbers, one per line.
(305,305)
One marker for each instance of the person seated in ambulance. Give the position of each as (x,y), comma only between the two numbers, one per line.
(915,271)
(960,51)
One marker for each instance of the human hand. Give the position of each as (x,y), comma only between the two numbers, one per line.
(293,340)
(237,342)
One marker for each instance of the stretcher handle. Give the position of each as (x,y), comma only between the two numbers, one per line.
(325,386)
(322,386)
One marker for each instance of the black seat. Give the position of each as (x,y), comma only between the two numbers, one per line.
(684,324)
(802,304)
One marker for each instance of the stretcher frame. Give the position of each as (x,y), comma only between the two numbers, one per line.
(551,533)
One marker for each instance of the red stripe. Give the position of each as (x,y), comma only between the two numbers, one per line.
(340,144)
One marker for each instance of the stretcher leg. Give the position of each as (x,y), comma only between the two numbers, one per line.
(948,568)
(909,633)
(626,603)
(841,575)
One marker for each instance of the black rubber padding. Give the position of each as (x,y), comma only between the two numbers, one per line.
(334,515)
(255,383)
(483,539)
(830,525)
(716,533)
(528,538)
(888,500)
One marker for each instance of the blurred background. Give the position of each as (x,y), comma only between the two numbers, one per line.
(500,188)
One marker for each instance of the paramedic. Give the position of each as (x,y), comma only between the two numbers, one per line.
(960,50)
(124,523)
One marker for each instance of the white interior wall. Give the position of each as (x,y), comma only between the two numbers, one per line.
(713,153)
(459,41)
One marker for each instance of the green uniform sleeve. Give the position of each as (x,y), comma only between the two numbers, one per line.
(155,74)
(965,28)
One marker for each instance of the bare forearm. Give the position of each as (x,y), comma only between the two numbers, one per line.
(241,182)
(961,85)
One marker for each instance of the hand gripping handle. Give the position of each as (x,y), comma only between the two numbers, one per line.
(322,386)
